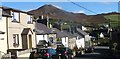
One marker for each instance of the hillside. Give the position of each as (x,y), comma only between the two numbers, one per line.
(58,14)
(114,19)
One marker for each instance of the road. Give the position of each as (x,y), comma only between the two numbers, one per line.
(101,52)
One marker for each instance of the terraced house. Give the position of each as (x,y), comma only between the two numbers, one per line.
(16,31)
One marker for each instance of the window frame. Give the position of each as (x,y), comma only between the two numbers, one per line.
(13,17)
(15,40)
(30,19)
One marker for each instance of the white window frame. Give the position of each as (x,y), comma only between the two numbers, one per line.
(15,16)
(30,19)
(15,40)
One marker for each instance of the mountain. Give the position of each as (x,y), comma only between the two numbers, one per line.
(56,13)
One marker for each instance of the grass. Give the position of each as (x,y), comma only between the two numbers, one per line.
(114,20)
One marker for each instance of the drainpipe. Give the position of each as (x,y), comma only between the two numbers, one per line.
(7,33)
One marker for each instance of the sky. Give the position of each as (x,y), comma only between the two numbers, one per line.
(96,7)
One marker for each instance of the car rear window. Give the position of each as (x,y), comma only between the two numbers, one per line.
(60,49)
(41,50)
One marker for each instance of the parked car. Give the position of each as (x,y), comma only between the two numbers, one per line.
(44,53)
(64,53)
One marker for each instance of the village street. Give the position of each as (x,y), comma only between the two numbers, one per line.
(101,52)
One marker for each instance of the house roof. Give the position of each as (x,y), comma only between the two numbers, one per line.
(81,32)
(5,14)
(17,10)
(68,34)
(60,34)
(26,31)
(1,32)
(76,34)
(42,29)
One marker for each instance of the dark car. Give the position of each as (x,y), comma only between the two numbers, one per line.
(44,53)
(64,53)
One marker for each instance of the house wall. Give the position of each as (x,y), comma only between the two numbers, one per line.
(3,37)
(84,28)
(80,43)
(46,37)
(72,42)
(41,37)
(65,41)
(17,28)
(88,40)
(101,35)
(52,35)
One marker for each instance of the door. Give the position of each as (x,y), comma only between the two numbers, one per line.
(30,41)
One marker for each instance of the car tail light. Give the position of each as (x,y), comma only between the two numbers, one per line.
(47,54)
(65,52)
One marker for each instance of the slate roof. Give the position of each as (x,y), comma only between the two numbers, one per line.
(76,34)
(60,34)
(81,32)
(68,34)
(42,29)
(17,10)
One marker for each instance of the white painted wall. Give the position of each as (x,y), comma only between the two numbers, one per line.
(46,37)
(80,43)
(87,38)
(3,42)
(41,37)
(84,28)
(65,41)
(101,35)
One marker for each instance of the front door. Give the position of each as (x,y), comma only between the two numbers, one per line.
(30,41)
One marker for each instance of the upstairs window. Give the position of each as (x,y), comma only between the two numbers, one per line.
(16,40)
(30,19)
(15,17)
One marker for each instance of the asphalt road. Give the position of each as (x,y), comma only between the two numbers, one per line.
(101,52)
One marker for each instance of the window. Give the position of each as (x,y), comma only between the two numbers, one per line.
(15,17)
(51,40)
(29,19)
(16,40)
